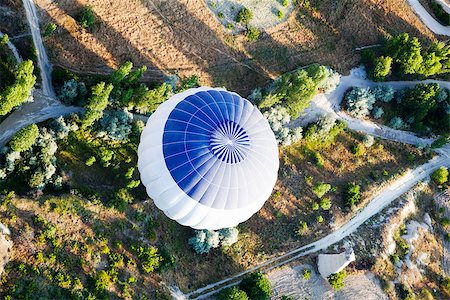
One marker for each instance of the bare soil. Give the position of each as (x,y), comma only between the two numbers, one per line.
(184,37)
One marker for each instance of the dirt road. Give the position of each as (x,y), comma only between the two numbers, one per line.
(428,19)
(13,50)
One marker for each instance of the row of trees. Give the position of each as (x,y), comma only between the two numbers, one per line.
(404,55)
(424,108)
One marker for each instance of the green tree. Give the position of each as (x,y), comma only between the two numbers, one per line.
(86,17)
(25,138)
(252,34)
(232,293)
(96,103)
(382,67)
(244,16)
(325,203)
(418,102)
(4,39)
(256,286)
(306,274)
(19,92)
(49,29)
(123,71)
(352,194)
(337,280)
(406,52)
(440,176)
(102,281)
(320,189)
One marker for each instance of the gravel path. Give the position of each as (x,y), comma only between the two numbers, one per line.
(264,12)
(428,19)
(444,4)
(44,64)
(13,49)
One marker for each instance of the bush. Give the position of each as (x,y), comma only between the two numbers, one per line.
(232,293)
(337,280)
(306,274)
(228,236)
(382,67)
(68,92)
(352,195)
(358,149)
(204,241)
(116,124)
(397,123)
(102,281)
(315,206)
(90,161)
(377,112)
(319,219)
(359,101)
(320,189)
(25,138)
(252,34)
(440,176)
(150,259)
(384,93)
(86,17)
(278,117)
(302,228)
(244,16)
(256,286)
(49,29)
(325,203)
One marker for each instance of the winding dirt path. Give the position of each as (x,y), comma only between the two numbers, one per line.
(13,49)
(428,19)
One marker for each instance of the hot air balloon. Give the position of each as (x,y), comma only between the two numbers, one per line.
(208,158)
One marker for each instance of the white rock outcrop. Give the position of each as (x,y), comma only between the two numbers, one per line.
(333,263)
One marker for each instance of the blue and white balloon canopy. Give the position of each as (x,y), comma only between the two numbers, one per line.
(208,158)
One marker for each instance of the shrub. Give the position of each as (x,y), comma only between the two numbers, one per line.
(150,259)
(315,206)
(102,281)
(352,195)
(49,29)
(396,123)
(320,189)
(337,280)
(382,67)
(325,203)
(68,92)
(228,236)
(278,117)
(232,293)
(256,286)
(306,274)
(230,26)
(86,17)
(4,40)
(204,241)
(280,14)
(384,93)
(302,228)
(359,101)
(358,149)
(252,34)
(90,161)
(319,219)
(377,112)
(440,176)
(220,15)
(25,138)
(368,140)
(116,125)
(244,16)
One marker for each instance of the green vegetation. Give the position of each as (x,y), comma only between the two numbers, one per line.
(244,16)
(352,195)
(86,18)
(25,138)
(232,293)
(49,29)
(440,176)
(256,286)
(18,93)
(441,15)
(405,56)
(280,14)
(96,103)
(5,39)
(320,189)
(337,280)
(306,274)
(252,34)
